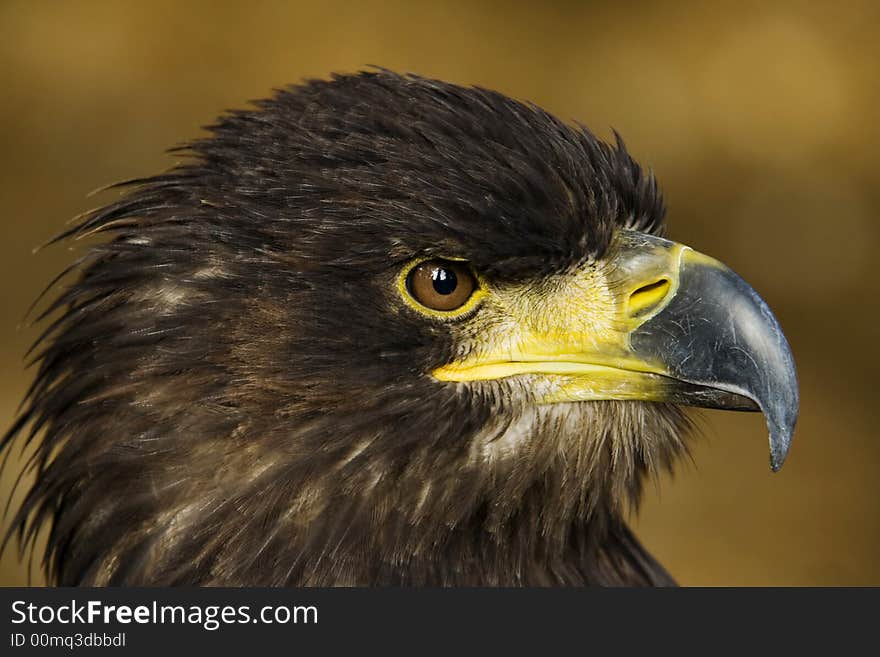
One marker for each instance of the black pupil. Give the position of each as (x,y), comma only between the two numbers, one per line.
(445,280)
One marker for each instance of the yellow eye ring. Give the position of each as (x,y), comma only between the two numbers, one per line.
(452,279)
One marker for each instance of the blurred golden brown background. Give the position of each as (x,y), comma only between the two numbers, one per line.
(760,120)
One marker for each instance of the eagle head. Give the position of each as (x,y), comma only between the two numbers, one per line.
(382,330)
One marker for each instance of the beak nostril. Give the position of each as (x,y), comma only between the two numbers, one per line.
(646,298)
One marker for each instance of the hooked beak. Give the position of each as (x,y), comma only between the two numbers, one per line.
(683,328)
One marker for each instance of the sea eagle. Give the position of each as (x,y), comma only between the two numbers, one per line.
(381,330)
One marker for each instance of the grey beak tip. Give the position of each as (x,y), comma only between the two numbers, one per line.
(780,441)
(776,462)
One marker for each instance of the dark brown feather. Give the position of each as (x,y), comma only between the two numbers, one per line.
(228,393)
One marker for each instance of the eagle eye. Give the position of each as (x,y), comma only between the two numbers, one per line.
(441,285)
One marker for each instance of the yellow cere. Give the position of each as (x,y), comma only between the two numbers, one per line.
(647,297)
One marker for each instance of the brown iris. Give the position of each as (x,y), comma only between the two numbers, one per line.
(441,284)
